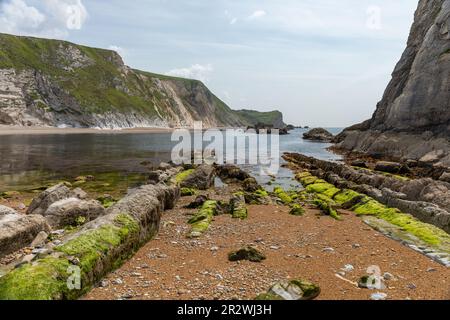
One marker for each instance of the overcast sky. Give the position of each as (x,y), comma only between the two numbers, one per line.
(320,62)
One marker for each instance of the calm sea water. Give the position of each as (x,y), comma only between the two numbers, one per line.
(26,160)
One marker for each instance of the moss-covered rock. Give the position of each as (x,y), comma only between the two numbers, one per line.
(188,192)
(247,253)
(297,210)
(238,208)
(179,178)
(284,197)
(202,219)
(325,204)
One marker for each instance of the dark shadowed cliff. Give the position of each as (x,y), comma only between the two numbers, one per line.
(413,118)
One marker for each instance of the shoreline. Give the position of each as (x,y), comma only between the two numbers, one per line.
(16,130)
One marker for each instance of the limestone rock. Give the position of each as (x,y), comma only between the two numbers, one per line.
(18,231)
(411,120)
(42,202)
(67,212)
(6,210)
(202,178)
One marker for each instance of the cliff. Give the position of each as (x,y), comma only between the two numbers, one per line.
(273,118)
(412,121)
(57,83)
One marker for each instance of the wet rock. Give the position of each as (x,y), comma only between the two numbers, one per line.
(318,134)
(40,240)
(198,202)
(231,173)
(43,201)
(69,212)
(248,253)
(18,231)
(292,290)
(389,167)
(201,178)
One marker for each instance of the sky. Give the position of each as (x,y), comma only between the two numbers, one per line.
(320,62)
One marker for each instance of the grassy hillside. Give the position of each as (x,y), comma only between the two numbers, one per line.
(274,118)
(75,79)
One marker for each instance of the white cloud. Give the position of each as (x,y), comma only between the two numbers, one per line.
(257,14)
(196,71)
(17,15)
(233,21)
(121,51)
(47,18)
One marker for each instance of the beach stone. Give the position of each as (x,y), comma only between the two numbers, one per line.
(43,201)
(40,240)
(66,212)
(18,231)
(202,178)
(247,253)
(378,296)
(292,290)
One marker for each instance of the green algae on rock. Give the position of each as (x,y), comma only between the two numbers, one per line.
(238,208)
(202,219)
(179,178)
(188,192)
(297,210)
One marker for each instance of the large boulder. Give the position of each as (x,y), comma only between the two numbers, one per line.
(68,212)
(318,134)
(42,202)
(202,178)
(18,231)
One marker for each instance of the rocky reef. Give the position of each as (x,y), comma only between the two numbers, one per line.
(412,120)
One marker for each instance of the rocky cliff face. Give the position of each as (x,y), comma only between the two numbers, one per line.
(56,83)
(413,118)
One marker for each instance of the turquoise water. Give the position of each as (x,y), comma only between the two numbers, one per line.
(29,158)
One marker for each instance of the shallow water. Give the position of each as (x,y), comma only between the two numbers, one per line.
(28,160)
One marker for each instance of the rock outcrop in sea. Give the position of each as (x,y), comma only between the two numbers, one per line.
(412,121)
